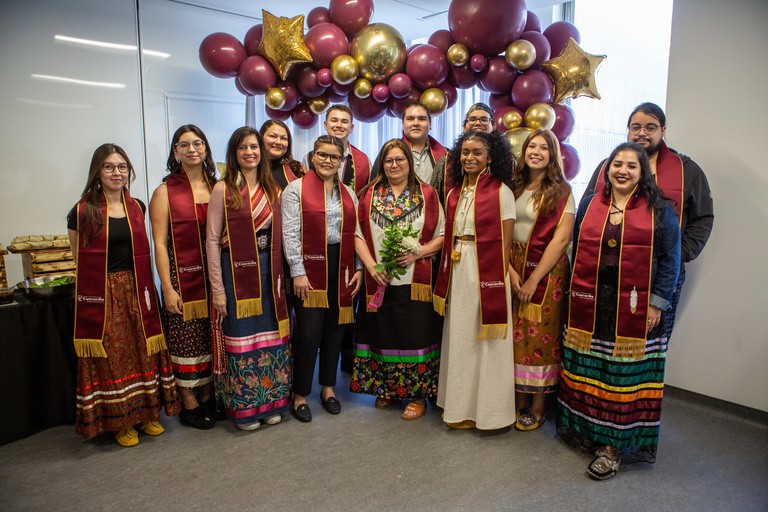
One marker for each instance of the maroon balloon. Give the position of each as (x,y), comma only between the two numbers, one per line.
(318,15)
(477,63)
(241,88)
(571,161)
(256,75)
(499,100)
(333,97)
(541,43)
(400,85)
(564,121)
(303,117)
(450,93)
(486,26)
(380,93)
(427,66)
(342,90)
(252,39)
(499,113)
(558,35)
(326,41)
(531,87)
(498,76)
(281,115)
(411,48)
(532,22)
(397,106)
(221,54)
(463,77)
(351,15)
(324,77)
(292,97)
(366,110)
(442,39)
(307,83)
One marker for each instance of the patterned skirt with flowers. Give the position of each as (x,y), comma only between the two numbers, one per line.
(397,348)
(538,344)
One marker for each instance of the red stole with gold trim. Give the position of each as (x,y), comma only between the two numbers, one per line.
(360,169)
(314,246)
(436,150)
(489,238)
(635,262)
(288,173)
(91,284)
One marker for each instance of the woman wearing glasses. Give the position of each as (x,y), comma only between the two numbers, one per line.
(119,341)
(178,210)
(397,346)
(319,238)
(245,263)
(277,148)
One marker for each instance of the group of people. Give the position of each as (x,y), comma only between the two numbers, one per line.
(280,262)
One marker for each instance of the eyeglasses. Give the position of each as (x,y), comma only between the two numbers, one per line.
(327,156)
(649,128)
(198,145)
(399,160)
(481,119)
(110,168)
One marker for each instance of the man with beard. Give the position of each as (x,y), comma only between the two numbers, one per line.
(682,182)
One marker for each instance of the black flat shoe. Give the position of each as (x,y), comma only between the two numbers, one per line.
(215,410)
(331,404)
(302,413)
(196,418)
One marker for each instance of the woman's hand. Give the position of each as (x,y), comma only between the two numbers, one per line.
(220,305)
(301,287)
(527,290)
(514,279)
(356,281)
(381,278)
(173,303)
(408,258)
(654,317)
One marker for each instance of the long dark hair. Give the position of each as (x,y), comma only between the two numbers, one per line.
(209,166)
(92,221)
(233,177)
(382,176)
(287,158)
(499,154)
(646,187)
(552,185)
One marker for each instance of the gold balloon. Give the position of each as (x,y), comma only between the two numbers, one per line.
(379,50)
(318,105)
(282,42)
(457,54)
(363,88)
(344,69)
(540,116)
(520,54)
(275,98)
(516,137)
(435,101)
(512,119)
(573,72)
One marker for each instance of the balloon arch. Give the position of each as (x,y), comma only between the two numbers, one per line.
(497,45)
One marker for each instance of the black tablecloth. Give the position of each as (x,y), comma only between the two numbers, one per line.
(38,366)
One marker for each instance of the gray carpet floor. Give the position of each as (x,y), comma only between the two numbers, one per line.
(712,456)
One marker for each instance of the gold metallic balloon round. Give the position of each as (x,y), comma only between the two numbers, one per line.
(363,88)
(516,137)
(457,54)
(275,98)
(344,69)
(380,52)
(435,100)
(540,116)
(318,105)
(520,54)
(512,119)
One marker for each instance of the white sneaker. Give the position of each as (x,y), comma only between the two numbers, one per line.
(249,426)
(273,420)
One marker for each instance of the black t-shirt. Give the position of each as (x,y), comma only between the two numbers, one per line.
(119,250)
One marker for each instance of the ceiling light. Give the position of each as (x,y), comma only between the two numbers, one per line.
(53,78)
(114,46)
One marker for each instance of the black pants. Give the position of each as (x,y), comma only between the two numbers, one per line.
(318,329)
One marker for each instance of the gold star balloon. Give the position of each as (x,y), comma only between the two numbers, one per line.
(573,72)
(282,42)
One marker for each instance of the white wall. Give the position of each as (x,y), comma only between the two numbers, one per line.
(716,113)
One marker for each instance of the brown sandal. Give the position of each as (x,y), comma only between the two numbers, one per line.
(414,410)
(382,402)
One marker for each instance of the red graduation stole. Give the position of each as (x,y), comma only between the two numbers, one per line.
(669,177)
(634,277)
(541,234)
(187,247)
(244,254)
(421,286)
(436,150)
(288,173)
(91,287)
(489,238)
(314,247)
(361,170)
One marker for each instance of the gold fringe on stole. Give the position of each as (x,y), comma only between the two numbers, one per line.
(316,299)
(248,307)
(578,339)
(284,327)
(89,348)
(438,303)
(346,315)
(633,348)
(421,292)
(196,309)
(492,332)
(155,344)
(530,311)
